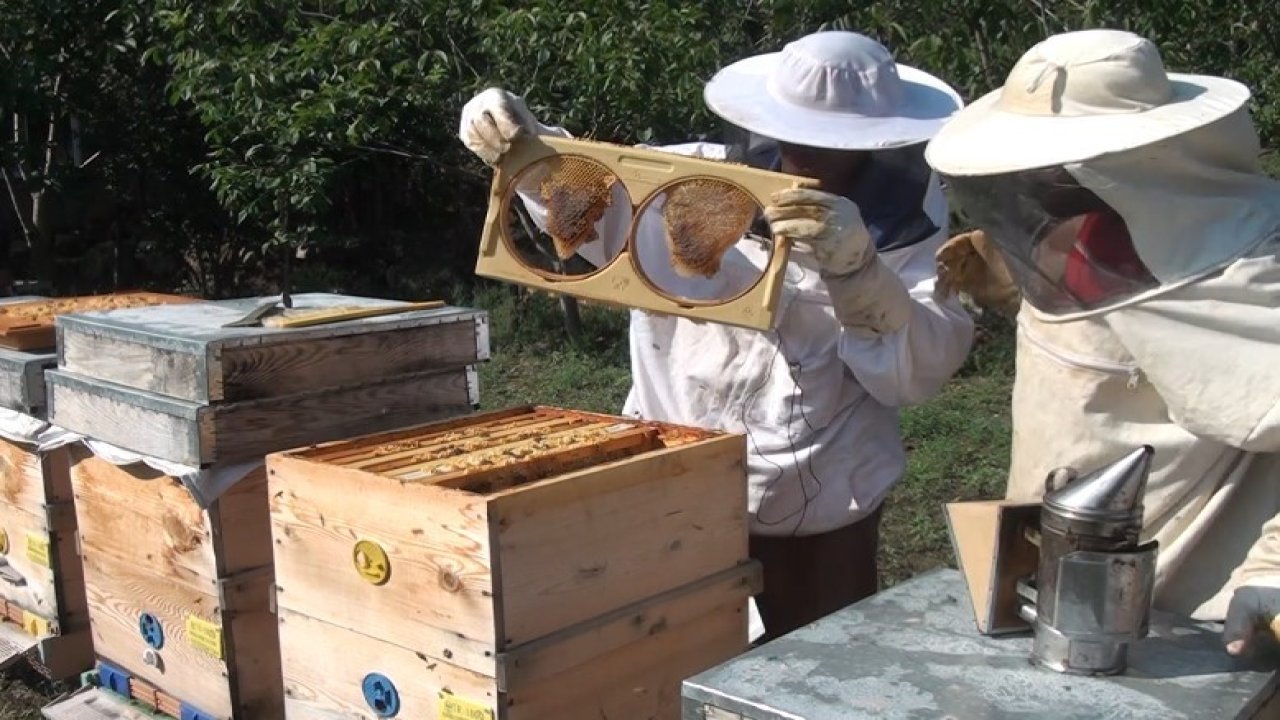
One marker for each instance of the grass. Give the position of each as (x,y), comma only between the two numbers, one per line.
(958,444)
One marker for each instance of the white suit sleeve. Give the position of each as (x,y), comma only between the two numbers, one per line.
(911,365)
(1211,350)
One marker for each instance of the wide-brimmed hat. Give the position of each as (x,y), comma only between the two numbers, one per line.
(837,90)
(1077,96)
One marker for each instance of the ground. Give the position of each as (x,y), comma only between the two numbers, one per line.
(958,443)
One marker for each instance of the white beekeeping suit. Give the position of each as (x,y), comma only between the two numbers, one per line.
(1130,208)
(861,333)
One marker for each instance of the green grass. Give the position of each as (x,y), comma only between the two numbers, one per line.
(958,443)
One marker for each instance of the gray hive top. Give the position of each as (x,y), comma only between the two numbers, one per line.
(913,652)
(199,324)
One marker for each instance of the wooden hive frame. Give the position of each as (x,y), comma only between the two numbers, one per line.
(583,577)
(644,173)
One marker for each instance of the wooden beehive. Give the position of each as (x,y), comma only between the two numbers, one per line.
(179,597)
(174,383)
(530,563)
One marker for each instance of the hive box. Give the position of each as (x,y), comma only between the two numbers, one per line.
(530,563)
(173,383)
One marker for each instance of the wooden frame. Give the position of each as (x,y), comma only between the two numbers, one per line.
(644,173)
(19,331)
(995,546)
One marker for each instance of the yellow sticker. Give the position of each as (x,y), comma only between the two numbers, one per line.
(38,549)
(453,707)
(34,625)
(205,636)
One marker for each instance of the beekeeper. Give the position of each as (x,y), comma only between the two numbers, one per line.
(1128,205)
(861,333)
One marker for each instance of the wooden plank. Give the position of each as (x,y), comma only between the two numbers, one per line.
(438,597)
(144,518)
(253,646)
(119,592)
(639,680)
(258,371)
(240,523)
(575,646)
(184,352)
(22,481)
(201,435)
(324,666)
(27,578)
(581,544)
(163,370)
(167,430)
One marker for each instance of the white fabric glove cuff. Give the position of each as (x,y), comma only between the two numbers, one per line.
(872,301)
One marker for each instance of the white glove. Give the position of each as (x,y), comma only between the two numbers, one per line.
(492,120)
(830,224)
(865,294)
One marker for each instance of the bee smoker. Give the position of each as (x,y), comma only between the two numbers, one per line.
(1093,588)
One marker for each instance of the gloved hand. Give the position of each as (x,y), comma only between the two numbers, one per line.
(1253,609)
(970,263)
(492,120)
(865,293)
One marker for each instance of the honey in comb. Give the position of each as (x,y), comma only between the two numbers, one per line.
(703,218)
(577,192)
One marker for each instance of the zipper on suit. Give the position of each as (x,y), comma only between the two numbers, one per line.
(1070,359)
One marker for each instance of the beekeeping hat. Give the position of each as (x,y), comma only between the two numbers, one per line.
(837,90)
(1077,96)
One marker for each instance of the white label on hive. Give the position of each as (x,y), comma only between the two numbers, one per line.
(205,636)
(453,707)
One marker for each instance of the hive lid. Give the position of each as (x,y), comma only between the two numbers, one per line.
(1112,493)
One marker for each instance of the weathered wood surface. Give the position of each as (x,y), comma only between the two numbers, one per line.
(22,380)
(148,547)
(183,352)
(202,435)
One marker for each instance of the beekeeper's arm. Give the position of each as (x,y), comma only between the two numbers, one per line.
(1211,350)
(901,341)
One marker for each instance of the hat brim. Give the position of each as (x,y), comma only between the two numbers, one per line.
(739,93)
(984,139)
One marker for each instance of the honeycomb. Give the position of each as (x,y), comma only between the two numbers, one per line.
(577,192)
(703,218)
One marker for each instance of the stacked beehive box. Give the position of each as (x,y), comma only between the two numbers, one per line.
(177,548)
(534,563)
(42,598)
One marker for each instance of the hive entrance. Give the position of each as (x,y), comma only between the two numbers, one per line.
(520,447)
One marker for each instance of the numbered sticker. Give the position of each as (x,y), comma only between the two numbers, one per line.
(38,549)
(205,636)
(453,707)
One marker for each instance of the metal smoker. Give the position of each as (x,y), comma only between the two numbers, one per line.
(1093,588)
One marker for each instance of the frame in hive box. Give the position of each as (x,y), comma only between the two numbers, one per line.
(527,563)
(638,178)
(179,597)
